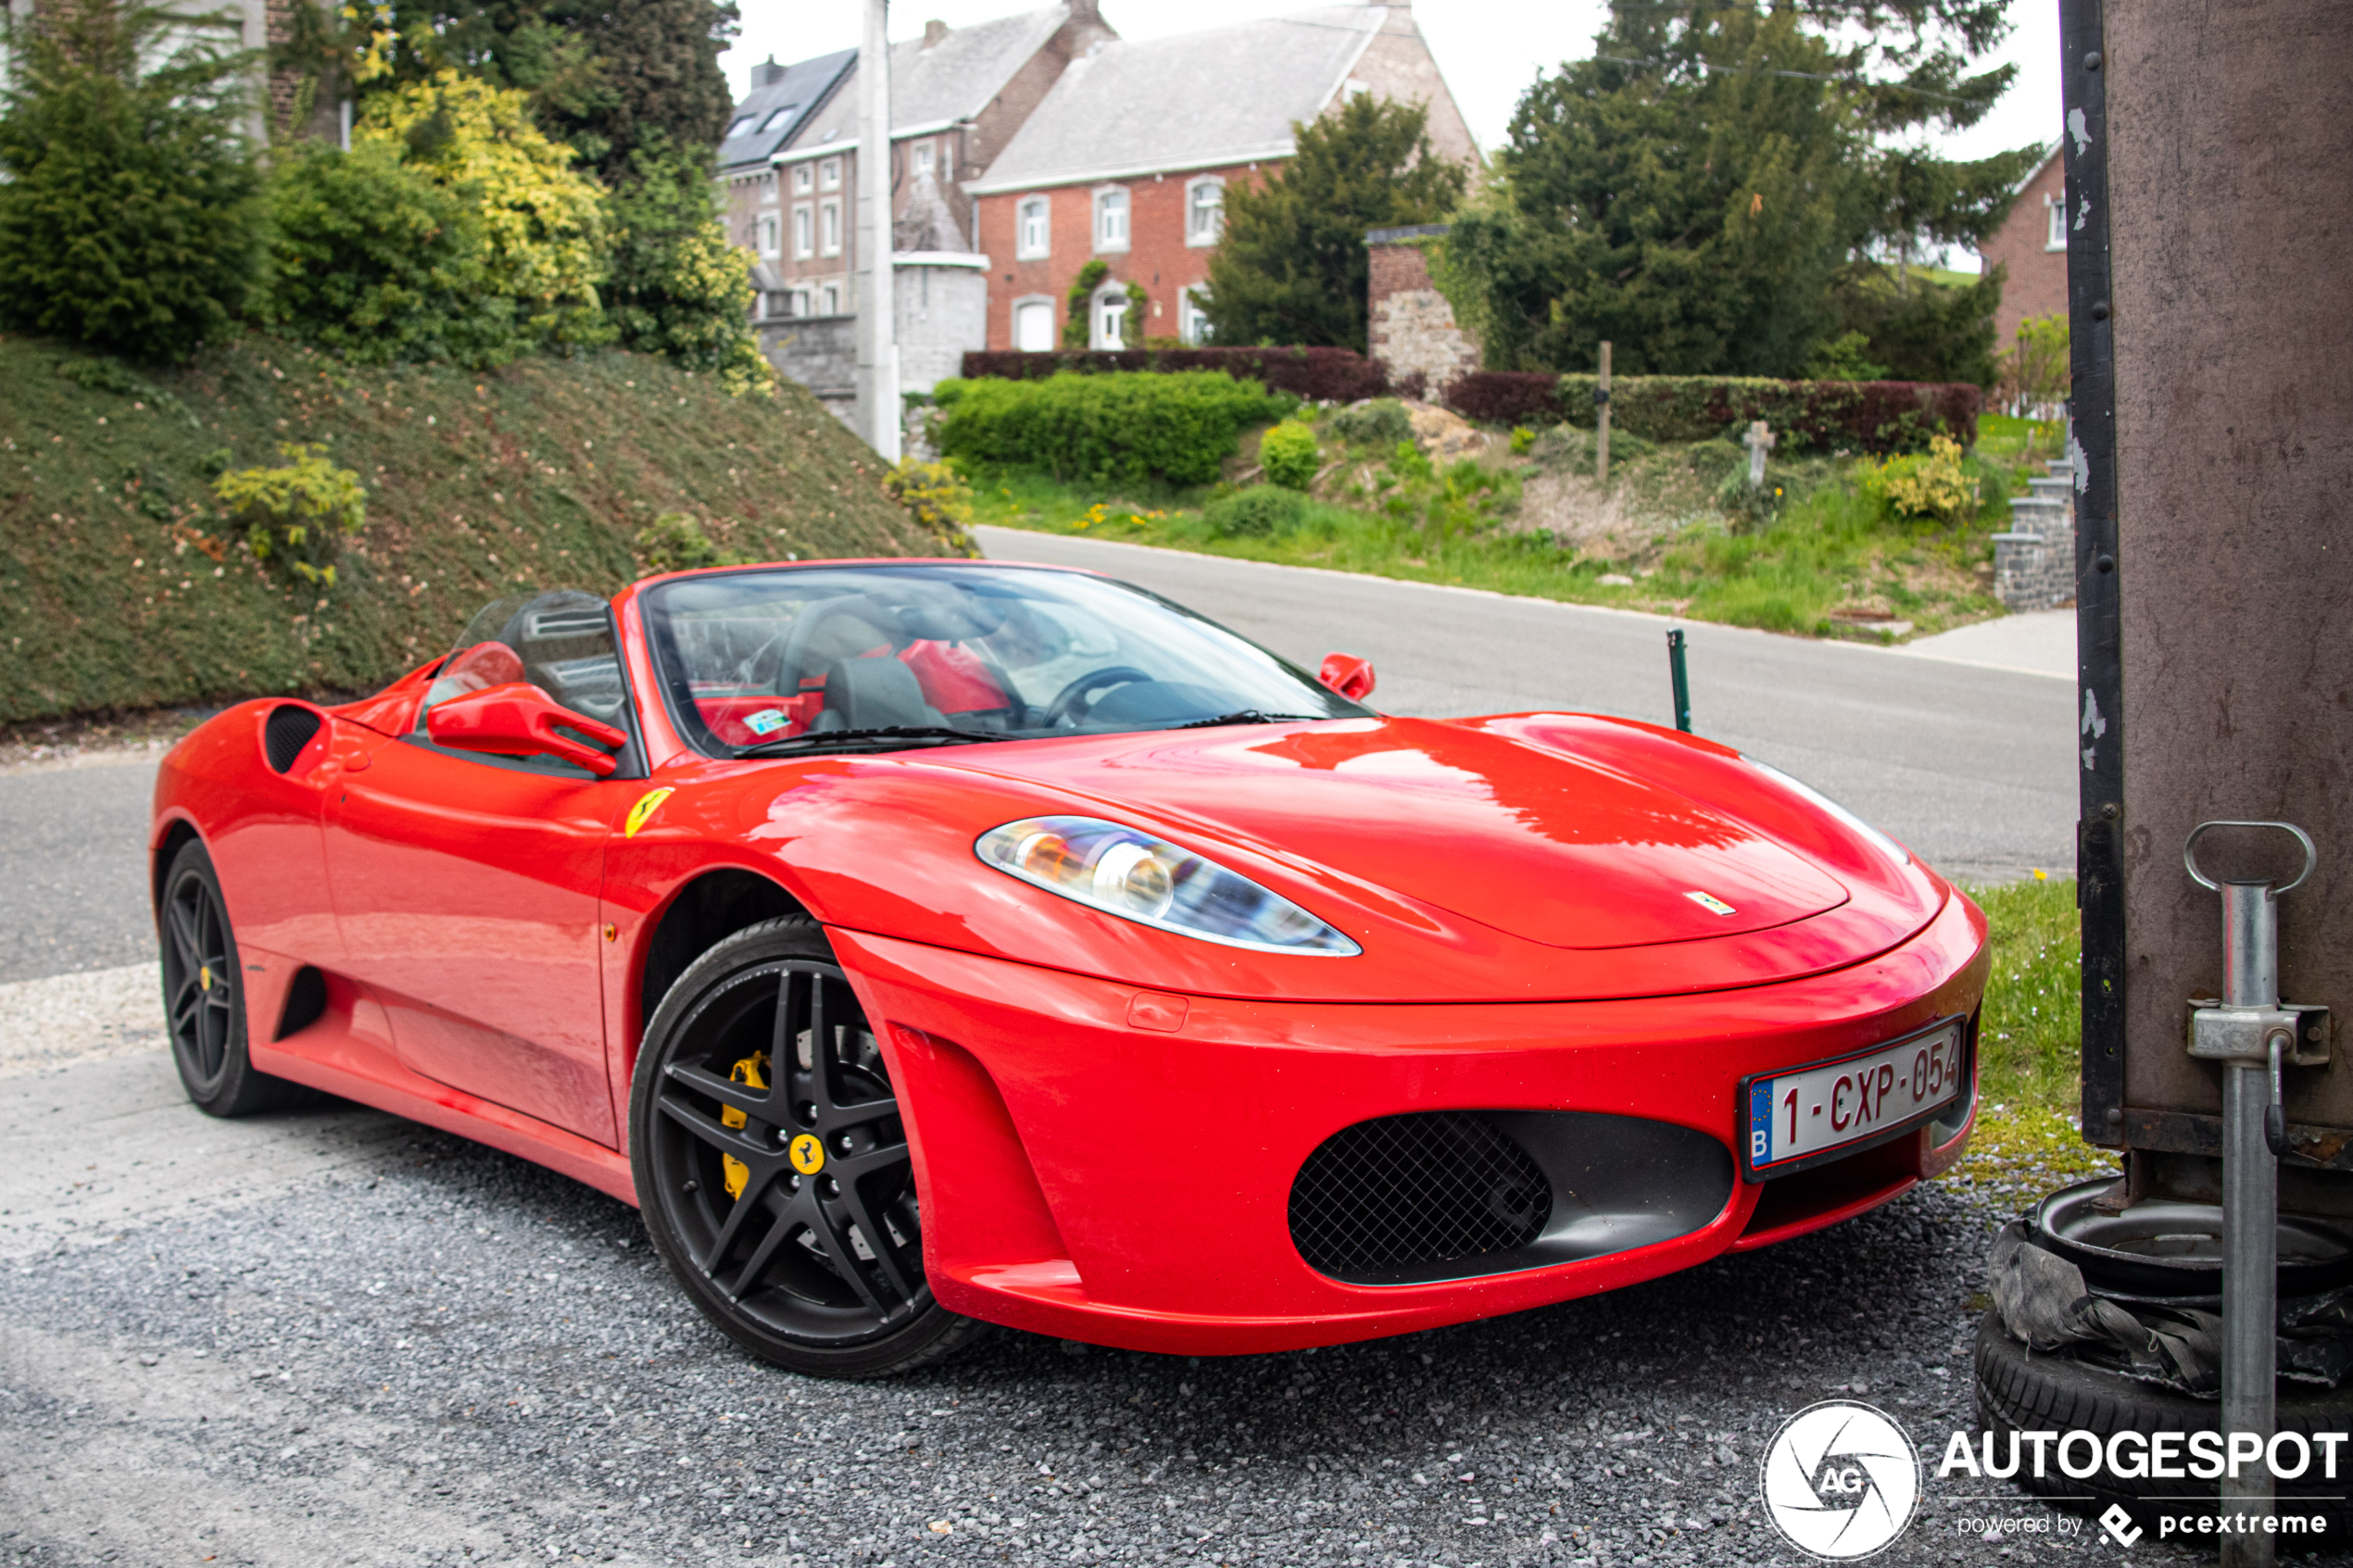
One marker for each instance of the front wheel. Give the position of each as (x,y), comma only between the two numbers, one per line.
(772,1163)
(204,994)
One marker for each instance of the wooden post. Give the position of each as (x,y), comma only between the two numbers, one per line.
(1601,424)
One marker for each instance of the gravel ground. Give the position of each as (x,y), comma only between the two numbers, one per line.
(83,1016)
(440,1355)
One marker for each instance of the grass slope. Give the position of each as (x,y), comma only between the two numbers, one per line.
(123,586)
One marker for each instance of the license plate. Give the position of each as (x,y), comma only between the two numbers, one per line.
(1797,1115)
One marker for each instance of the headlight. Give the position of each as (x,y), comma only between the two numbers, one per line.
(1893,850)
(1151,882)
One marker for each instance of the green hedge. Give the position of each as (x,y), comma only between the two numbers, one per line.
(1878,415)
(1125,427)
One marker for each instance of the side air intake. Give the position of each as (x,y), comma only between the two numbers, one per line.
(285,733)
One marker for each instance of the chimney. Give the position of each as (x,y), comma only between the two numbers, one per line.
(933,32)
(766,75)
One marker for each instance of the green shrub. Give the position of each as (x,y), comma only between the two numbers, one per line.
(1258,512)
(1522,439)
(1409,462)
(675,542)
(677,286)
(130,204)
(1288,453)
(297,515)
(940,500)
(1381,423)
(1125,427)
(1751,506)
(374,261)
(1932,485)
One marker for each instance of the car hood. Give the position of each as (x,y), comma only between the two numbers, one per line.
(1550,848)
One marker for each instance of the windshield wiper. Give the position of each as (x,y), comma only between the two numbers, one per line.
(1244,716)
(817,740)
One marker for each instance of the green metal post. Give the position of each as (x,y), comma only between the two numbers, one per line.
(1681,678)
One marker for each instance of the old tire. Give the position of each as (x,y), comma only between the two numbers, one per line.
(2020,1390)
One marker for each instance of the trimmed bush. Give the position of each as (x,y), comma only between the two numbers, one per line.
(1178,427)
(1288,454)
(1507,397)
(1319,375)
(1871,416)
(1258,512)
(1932,485)
(299,513)
(1382,422)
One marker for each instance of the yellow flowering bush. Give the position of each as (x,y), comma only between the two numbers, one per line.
(298,514)
(542,224)
(1924,484)
(940,500)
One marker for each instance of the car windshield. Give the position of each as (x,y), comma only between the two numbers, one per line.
(788,662)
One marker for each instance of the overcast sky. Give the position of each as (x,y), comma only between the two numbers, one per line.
(1490,49)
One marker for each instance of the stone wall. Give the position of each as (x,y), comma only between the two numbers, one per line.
(942,311)
(821,352)
(1413,330)
(2034,561)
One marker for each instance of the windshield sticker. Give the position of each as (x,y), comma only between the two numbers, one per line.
(767,722)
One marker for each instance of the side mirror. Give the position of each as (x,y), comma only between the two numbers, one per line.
(516,719)
(1350,676)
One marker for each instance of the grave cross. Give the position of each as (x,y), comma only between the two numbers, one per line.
(1759,441)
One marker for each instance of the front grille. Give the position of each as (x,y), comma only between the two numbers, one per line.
(285,733)
(1406,1193)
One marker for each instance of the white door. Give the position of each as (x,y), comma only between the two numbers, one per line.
(1112,310)
(1034,327)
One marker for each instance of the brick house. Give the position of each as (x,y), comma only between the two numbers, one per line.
(1129,158)
(2033,243)
(957,95)
(783,98)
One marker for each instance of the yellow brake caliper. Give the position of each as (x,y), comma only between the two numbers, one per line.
(752,1073)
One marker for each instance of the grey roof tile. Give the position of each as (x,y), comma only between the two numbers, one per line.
(953,79)
(801,91)
(1227,94)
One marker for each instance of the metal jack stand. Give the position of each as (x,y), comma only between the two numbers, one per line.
(2254,1035)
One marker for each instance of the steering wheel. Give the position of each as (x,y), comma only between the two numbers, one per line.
(1072,702)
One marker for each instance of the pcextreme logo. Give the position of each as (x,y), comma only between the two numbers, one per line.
(1840,1480)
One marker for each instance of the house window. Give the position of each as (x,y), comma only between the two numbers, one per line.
(832,299)
(1111,316)
(923,157)
(1034,325)
(1204,210)
(768,234)
(829,175)
(2055,232)
(1192,322)
(780,117)
(829,229)
(801,174)
(1033,237)
(801,230)
(768,190)
(799,303)
(740,126)
(1110,220)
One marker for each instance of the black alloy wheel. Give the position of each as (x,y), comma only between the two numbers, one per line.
(772,1163)
(204,994)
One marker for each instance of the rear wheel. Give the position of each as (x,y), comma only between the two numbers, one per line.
(204,994)
(772,1163)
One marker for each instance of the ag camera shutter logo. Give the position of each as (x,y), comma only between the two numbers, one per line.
(1840,1480)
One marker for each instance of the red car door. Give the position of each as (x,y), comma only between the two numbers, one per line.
(466,886)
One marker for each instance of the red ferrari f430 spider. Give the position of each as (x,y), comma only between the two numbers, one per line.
(925,944)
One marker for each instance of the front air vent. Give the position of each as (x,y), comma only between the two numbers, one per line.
(1416,1194)
(285,733)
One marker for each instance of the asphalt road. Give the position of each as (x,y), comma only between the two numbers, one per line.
(74,864)
(1972,767)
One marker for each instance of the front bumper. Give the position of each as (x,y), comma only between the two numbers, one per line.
(1115,1166)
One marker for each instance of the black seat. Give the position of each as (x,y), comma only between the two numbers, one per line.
(875,694)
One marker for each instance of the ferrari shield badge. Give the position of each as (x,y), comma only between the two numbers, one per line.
(645,809)
(808,1154)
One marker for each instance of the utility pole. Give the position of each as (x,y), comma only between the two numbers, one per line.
(878,303)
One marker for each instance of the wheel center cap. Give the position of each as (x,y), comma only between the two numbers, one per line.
(807,1153)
